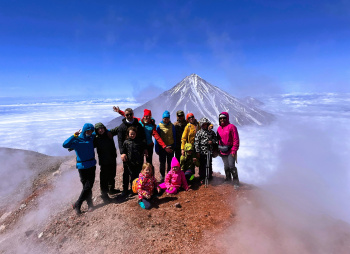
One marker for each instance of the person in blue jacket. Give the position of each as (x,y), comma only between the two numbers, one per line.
(82,143)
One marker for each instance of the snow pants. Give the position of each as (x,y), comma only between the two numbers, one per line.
(107,177)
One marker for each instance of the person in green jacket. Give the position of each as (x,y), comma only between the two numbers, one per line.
(107,155)
(188,162)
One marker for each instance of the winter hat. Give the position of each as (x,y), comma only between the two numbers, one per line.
(180,113)
(175,163)
(188,147)
(203,121)
(166,114)
(147,112)
(189,115)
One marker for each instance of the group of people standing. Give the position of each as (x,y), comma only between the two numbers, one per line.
(181,147)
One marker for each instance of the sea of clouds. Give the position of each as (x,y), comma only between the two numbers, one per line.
(303,151)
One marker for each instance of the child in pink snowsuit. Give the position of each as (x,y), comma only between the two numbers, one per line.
(174,179)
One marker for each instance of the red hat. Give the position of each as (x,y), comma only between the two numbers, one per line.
(189,115)
(147,112)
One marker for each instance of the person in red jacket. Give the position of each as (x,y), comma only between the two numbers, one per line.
(149,125)
(228,146)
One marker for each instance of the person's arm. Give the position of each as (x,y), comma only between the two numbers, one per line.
(121,138)
(184,138)
(174,136)
(156,145)
(167,180)
(157,137)
(117,109)
(235,145)
(69,143)
(114,131)
(197,142)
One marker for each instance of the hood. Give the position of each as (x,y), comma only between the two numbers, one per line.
(188,147)
(86,127)
(100,125)
(204,120)
(175,162)
(228,118)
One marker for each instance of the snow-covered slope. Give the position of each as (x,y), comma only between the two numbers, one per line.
(194,94)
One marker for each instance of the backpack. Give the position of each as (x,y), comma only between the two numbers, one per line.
(134,185)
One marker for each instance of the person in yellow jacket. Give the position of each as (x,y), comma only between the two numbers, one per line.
(189,132)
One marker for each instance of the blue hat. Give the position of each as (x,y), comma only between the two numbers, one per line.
(166,114)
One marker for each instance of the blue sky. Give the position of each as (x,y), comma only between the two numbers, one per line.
(141,48)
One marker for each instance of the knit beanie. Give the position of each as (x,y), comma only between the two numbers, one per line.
(175,163)
(166,114)
(147,112)
(189,115)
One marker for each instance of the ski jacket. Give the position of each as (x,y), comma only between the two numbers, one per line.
(133,149)
(179,128)
(189,134)
(107,153)
(203,137)
(146,186)
(140,136)
(168,135)
(228,136)
(175,179)
(186,161)
(150,130)
(83,147)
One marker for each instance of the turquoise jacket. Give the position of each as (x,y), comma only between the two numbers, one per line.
(83,147)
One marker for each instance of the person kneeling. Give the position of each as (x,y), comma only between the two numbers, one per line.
(146,184)
(174,179)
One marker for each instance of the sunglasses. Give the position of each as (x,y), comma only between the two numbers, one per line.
(128,114)
(222,118)
(180,115)
(191,117)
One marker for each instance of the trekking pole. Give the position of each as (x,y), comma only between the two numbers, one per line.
(207,169)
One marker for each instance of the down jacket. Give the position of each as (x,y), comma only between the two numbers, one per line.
(228,136)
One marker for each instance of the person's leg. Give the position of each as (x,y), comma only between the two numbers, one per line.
(211,168)
(112,172)
(225,160)
(87,178)
(169,157)
(162,186)
(104,179)
(233,170)
(149,158)
(202,166)
(126,178)
(145,203)
(162,161)
(173,191)
(178,153)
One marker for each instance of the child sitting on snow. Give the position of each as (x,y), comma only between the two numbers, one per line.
(174,179)
(188,162)
(146,184)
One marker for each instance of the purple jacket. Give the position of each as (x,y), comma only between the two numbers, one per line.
(228,136)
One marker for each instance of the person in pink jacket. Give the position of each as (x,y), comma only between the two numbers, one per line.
(228,146)
(174,179)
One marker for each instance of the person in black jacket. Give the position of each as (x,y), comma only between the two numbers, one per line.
(107,155)
(133,153)
(127,122)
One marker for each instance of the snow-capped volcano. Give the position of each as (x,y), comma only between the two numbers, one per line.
(194,94)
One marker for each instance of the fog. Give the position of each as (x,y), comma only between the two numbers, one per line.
(300,166)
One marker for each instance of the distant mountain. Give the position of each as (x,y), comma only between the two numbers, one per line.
(194,94)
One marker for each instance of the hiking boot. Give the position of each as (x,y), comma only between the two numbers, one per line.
(106,199)
(142,205)
(124,194)
(90,208)
(235,184)
(76,209)
(113,191)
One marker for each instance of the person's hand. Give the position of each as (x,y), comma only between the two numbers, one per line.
(210,142)
(77,133)
(116,109)
(124,157)
(233,154)
(183,152)
(171,188)
(168,149)
(109,134)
